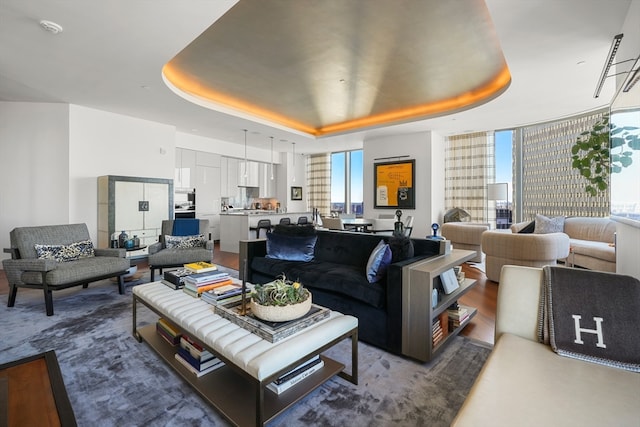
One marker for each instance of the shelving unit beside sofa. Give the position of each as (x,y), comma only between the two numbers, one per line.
(418,312)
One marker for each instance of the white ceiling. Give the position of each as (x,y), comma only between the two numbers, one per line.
(111,53)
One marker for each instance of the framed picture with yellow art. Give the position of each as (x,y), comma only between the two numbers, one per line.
(394,185)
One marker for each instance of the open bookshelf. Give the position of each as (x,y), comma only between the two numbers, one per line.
(419,312)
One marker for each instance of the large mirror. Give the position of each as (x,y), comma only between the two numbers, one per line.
(625,142)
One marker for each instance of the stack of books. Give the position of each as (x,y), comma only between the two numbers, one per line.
(175,279)
(200,267)
(457,315)
(168,331)
(195,358)
(437,332)
(293,377)
(196,284)
(224,294)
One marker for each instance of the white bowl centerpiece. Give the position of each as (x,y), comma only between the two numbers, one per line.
(280,301)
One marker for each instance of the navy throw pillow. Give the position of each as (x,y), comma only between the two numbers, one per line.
(401,248)
(290,248)
(529,228)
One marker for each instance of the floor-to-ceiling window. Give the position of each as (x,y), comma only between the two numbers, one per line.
(504,174)
(347,189)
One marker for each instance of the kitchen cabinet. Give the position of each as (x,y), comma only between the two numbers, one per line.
(267,186)
(207,184)
(232,177)
(184,168)
(135,205)
(248,174)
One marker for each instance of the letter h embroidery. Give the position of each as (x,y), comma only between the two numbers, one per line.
(597,331)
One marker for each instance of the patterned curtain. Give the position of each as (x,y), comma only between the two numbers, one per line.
(319,182)
(469,167)
(550,186)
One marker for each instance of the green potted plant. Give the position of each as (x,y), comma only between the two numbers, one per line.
(280,300)
(603,150)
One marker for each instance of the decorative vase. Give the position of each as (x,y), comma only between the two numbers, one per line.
(122,238)
(281,313)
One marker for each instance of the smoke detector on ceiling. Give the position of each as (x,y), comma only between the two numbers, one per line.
(50,26)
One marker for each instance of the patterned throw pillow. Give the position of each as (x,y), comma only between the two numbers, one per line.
(184,242)
(544,225)
(65,253)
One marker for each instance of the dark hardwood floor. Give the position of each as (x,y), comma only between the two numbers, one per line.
(483,296)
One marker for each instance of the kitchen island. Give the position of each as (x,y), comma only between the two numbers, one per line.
(236,225)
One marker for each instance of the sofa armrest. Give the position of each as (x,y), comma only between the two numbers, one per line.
(250,249)
(154,248)
(31,264)
(209,245)
(519,301)
(111,252)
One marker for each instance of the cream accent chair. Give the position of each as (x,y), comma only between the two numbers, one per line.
(332,223)
(502,247)
(465,235)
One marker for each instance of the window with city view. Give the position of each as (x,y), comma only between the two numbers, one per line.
(347,182)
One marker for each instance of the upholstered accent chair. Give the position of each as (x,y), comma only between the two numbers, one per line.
(465,235)
(163,255)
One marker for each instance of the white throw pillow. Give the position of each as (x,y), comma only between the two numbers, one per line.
(546,225)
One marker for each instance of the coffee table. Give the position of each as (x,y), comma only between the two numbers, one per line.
(238,390)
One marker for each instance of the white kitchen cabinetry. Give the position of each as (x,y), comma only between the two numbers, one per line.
(268,187)
(248,174)
(232,177)
(208,197)
(185,169)
(135,205)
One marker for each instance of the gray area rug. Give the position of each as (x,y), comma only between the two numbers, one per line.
(112,380)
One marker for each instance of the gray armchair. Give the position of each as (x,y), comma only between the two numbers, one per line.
(160,256)
(54,257)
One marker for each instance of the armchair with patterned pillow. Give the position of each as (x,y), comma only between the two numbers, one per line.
(182,241)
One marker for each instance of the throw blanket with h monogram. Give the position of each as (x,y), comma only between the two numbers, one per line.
(591,315)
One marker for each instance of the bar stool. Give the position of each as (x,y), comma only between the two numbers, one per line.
(285,221)
(263,224)
(303,220)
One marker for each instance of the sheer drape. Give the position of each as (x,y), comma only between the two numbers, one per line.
(469,167)
(319,182)
(550,186)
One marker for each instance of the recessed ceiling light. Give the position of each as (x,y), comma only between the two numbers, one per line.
(50,26)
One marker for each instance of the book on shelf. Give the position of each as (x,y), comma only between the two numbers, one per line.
(226,300)
(200,267)
(444,322)
(199,364)
(167,332)
(282,387)
(198,290)
(194,348)
(298,369)
(207,277)
(196,372)
(270,331)
(176,277)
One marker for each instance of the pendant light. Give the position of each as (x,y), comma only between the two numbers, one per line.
(271,158)
(294,161)
(245,155)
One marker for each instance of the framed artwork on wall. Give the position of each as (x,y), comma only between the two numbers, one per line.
(394,185)
(296,193)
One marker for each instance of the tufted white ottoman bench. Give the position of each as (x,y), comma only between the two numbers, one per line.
(250,361)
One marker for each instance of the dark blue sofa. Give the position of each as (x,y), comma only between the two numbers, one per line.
(337,279)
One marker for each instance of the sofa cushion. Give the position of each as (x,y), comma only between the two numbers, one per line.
(341,279)
(65,253)
(185,242)
(590,228)
(599,250)
(290,247)
(341,247)
(295,230)
(544,225)
(78,270)
(379,260)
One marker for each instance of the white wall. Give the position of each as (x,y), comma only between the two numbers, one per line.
(34,166)
(102,143)
(428,151)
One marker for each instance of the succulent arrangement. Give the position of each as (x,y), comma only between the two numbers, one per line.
(280,292)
